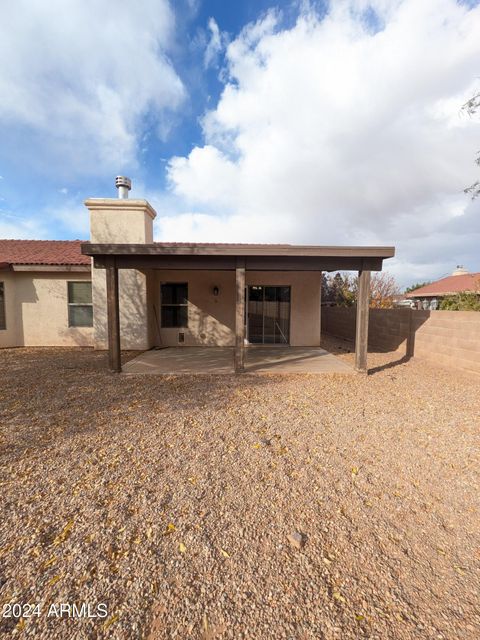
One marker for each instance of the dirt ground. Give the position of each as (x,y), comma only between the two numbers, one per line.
(294,506)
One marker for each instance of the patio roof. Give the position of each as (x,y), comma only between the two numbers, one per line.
(172,255)
(238,258)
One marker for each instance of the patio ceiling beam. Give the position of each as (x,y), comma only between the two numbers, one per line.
(253,263)
(361,332)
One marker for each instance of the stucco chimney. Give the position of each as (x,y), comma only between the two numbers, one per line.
(459,271)
(122,221)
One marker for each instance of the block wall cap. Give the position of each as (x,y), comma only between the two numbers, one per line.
(127,204)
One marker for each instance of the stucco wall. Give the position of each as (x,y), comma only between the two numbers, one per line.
(8,336)
(37,310)
(122,221)
(211,319)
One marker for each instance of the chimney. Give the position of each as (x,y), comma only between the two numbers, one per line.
(122,220)
(123,185)
(460,271)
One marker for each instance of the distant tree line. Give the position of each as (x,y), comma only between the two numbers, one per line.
(463,301)
(341,289)
(418,285)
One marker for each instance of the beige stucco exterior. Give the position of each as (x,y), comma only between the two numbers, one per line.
(211,319)
(122,221)
(36,306)
(37,301)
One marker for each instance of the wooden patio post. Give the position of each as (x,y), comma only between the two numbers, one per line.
(361,333)
(240,315)
(113,317)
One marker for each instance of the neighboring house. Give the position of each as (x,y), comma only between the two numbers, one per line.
(430,296)
(45,294)
(168,294)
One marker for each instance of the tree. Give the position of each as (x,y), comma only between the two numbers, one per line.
(418,285)
(383,289)
(341,290)
(463,301)
(471,107)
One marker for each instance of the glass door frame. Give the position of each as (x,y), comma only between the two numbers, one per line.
(247,300)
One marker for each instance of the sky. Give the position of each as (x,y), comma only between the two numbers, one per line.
(253,121)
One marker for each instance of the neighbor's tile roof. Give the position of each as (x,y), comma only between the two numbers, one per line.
(54,252)
(446,286)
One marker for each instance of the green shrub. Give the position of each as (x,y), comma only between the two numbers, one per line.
(462,301)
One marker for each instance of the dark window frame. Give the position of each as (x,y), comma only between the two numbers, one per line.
(179,310)
(72,305)
(3,313)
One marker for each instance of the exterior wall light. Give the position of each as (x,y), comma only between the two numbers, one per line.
(216,291)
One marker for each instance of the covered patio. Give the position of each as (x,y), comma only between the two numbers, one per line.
(240,259)
(219,360)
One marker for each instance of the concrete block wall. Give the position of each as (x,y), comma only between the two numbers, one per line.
(339,321)
(449,338)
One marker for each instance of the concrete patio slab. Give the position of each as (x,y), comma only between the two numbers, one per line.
(219,360)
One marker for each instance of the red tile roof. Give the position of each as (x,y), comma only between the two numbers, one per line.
(52,252)
(449,285)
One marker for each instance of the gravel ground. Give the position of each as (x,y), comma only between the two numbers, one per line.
(293,506)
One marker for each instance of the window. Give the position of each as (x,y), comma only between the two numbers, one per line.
(174,304)
(3,322)
(80,308)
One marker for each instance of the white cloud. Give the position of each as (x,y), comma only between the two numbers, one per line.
(215,45)
(13,226)
(333,131)
(77,77)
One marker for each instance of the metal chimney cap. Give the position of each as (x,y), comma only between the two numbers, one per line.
(123,181)
(460,271)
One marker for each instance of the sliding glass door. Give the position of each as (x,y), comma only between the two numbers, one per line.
(268,315)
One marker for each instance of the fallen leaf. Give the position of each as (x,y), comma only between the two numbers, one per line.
(170,529)
(21,625)
(54,580)
(110,621)
(49,563)
(338,596)
(224,553)
(182,548)
(66,532)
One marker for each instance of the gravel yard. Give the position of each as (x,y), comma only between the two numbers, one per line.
(172,499)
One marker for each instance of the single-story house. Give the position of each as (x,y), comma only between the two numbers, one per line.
(45,294)
(460,281)
(122,289)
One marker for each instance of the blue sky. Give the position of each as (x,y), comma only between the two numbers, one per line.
(305,122)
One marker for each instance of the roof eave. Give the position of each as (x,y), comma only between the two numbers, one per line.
(77,268)
(200,249)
